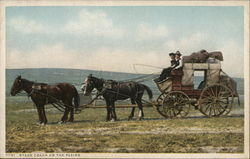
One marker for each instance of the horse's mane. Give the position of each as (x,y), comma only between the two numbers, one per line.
(97,79)
(28,81)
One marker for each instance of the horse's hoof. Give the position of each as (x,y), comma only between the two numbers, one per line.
(71,120)
(61,122)
(77,111)
(40,123)
(140,119)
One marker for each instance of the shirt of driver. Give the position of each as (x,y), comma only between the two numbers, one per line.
(179,64)
(173,63)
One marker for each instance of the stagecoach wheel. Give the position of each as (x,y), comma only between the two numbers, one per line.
(230,106)
(215,100)
(174,103)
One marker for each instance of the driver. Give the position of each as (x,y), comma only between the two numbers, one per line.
(166,72)
(179,63)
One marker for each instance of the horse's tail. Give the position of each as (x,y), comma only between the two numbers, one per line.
(76,99)
(150,93)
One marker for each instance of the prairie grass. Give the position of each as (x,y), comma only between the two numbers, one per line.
(90,133)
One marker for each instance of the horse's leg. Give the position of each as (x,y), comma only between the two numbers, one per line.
(65,115)
(39,111)
(130,117)
(108,110)
(44,118)
(141,114)
(113,113)
(71,118)
(67,110)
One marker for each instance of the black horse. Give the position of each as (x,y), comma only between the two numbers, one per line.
(42,94)
(113,91)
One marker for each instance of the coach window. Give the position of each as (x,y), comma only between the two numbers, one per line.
(199,79)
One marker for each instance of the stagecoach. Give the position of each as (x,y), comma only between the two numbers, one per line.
(213,97)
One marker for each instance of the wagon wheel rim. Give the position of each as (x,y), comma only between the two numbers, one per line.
(158,104)
(173,104)
(214,100)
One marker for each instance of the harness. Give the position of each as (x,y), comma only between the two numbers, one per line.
(37,88)
(112,86)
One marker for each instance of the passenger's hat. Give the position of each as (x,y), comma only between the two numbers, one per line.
(171,54)
(178,53)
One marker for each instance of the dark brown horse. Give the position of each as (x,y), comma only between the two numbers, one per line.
(113,91)
(42,94)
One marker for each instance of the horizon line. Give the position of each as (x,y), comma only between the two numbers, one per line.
(89,70)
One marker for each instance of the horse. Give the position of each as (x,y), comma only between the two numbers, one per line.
(42,94)
(112,91)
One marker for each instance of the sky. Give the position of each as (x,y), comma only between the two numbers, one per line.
(115,38)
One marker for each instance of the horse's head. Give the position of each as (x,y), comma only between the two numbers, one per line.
(88,85)
(17,86)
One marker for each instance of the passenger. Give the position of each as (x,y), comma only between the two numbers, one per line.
(179,63)
(166,72)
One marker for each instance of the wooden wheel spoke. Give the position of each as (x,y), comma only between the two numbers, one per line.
(170,112)
(212,92)
(209,96)
(176,98)
(205,100)
(221,106)
(216,91)
(174,110)
(223,102)
(185,108)
(214,111)
(207,106)
(210,111)
(221,109)
(182,102)
(221,92)
(160,98)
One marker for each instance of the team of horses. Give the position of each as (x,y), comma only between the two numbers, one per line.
(43,94)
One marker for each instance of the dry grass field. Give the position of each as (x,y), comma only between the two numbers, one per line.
(90,132)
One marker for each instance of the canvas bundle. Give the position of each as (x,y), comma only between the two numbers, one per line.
(196,57)
(202,57)
(216,55)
